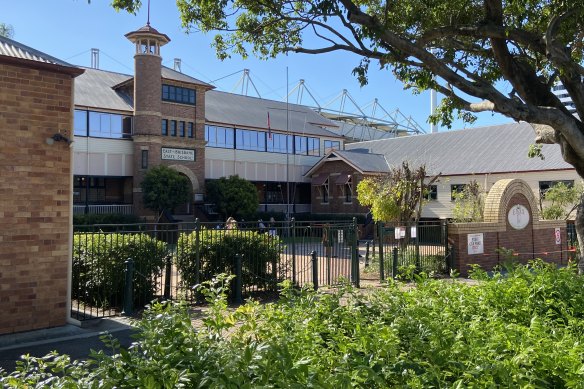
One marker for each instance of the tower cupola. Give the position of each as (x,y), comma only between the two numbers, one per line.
(148,40)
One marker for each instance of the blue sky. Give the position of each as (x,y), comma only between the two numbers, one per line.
(68,29)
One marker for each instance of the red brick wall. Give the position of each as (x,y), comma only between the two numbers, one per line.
(35,211)
(536,240)
(337,202)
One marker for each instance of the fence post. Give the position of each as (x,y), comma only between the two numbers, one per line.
(355,255)
(293,227)
(394,263)
(197,252)
(238,280)
(417,242)
(167,276)
(447,248)
(367,255)
(314,270)
(381,259)
(129,287)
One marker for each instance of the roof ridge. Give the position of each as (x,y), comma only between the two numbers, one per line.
(47,57)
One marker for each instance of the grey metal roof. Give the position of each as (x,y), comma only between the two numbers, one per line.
(94,88)
(365,162)
(11,48)
(237,110)
(494,149)
(172,74)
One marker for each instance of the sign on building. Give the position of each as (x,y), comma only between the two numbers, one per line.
(178,154)
(475,244)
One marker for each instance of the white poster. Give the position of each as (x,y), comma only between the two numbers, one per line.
(413,232)
(340,236)
(558,236)
(397,233)
(475,244)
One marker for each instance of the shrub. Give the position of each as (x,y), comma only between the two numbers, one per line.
(261,264)
(110,218)
(99,267)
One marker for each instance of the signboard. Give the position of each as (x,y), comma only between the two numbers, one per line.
(518,217)
(178,154)
(413,232)
(475,244)
(400,232)
(558,236)
(340,236)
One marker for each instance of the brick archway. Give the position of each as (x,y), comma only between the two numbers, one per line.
(190,175)
(499,197)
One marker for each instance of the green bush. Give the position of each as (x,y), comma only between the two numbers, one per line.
(519,330)
(99,267)
(261,263)
(91,219)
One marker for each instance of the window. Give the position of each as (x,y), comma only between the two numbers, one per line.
(330,145)
(280,143)
(164,130)
(80,123)
(545,185)
(181,129)
(177,94)
(144,159)
(324,192)
(191,130)
(250,140)
(300,145)
(431,193)
(455,189)
(173,128)
(109,125)
(313,146)
(219,137)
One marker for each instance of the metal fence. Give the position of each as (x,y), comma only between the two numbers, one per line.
(123,267)
(421,246)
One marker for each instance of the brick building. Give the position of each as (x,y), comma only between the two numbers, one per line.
(36,118)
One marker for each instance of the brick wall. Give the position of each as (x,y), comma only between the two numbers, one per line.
(36,185)
(536,240)
(337,202)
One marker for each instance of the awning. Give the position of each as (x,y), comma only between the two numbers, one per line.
(319,180)
(343,179)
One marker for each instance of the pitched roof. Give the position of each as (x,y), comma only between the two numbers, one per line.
(364,162)
(95,89)
(493,149)
(15,50)
(171,74)
(230,109)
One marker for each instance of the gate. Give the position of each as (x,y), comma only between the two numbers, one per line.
(124,267)
(419,247)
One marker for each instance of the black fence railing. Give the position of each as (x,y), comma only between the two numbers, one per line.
(123,267)
(421,246)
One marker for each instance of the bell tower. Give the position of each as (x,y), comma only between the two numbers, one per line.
(147,104)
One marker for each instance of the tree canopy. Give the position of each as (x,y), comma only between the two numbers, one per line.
(6,30)
(396,196)
(233,196)
(165,188)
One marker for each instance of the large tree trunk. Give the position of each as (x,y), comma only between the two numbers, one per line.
(579,222)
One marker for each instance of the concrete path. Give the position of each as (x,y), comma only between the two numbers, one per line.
(77,342)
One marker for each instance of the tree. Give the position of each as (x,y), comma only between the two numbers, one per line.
(560,201)
(482,55)
(396,196)
(164,188)
(233,196)
(468,204)
(6,30)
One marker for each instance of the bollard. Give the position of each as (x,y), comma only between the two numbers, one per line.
(394,263)
(129,287)
(314,270)
(167,277)
(238,280)
(381,256)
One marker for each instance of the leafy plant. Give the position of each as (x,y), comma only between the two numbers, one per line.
(233,196)
(164,188)
(560,200)
(468,204)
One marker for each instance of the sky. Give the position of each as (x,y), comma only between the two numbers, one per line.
(69,29)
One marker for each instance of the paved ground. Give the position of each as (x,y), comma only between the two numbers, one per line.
(74,341)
